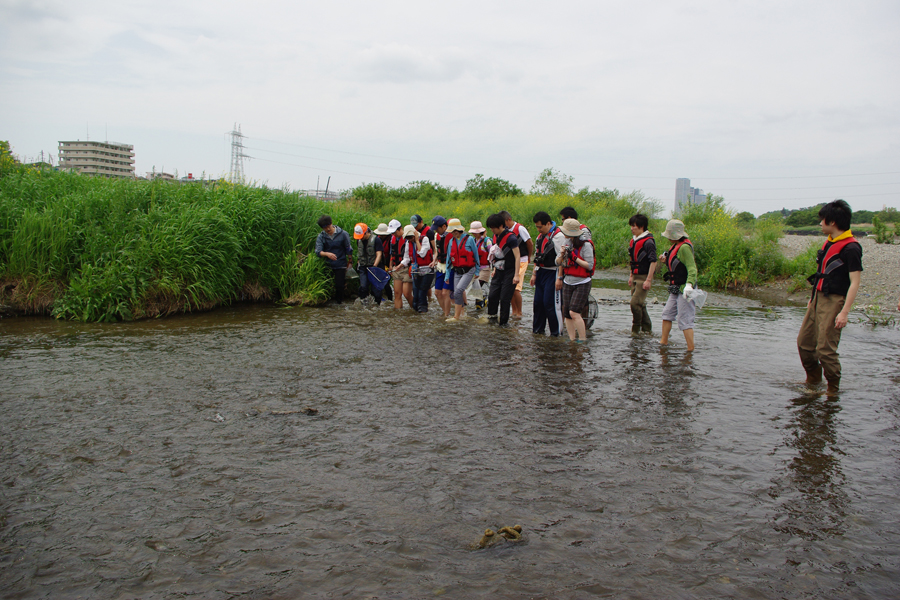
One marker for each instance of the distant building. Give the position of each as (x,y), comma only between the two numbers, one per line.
(108,159)
(686,195)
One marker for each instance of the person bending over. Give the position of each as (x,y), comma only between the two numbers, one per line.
(333,246)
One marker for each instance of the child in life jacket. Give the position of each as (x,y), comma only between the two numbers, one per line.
(835,285)
(681,277)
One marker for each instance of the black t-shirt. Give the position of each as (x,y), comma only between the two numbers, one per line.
(513,241)
(839,280)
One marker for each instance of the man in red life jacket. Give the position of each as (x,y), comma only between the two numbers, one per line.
(505,257)
(642,252)
(526,250)
(550,243)
(835,285)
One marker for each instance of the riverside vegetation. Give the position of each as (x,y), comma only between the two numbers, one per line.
(96,249)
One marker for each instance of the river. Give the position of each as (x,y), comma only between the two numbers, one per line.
(174,458)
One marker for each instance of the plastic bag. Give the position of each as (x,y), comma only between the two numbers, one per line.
(698,296)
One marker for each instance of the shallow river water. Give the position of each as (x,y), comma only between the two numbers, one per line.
(168,459)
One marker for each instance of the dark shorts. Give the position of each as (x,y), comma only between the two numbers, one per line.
(444,281)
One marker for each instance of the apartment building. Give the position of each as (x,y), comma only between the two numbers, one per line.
(108,159)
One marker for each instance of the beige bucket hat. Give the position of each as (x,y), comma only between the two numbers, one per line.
(409,231)
(476,227)
(571,228)
(455,225)
(382,229)
(674,230)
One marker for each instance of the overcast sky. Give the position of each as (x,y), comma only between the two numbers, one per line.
(769,104)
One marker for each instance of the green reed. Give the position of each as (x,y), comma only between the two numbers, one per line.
(102,250)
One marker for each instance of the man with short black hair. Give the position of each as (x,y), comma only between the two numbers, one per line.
(333,246)
(526,250)
(835,285)
(642,252)
(550,242)
(505,257)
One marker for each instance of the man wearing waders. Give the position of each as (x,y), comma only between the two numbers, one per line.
(642,252)
(835,285)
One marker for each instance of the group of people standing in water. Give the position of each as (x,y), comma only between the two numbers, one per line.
(450,260)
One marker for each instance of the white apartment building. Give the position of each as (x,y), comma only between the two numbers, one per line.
(108,159)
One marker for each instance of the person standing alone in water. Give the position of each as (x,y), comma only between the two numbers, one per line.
(642,252)
(681,277)
(835,285)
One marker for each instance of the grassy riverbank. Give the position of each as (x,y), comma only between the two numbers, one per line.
(95,249)
(729,254)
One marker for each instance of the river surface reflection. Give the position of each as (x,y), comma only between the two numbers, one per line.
(165,459)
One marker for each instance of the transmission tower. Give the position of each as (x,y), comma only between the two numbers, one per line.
(237,155)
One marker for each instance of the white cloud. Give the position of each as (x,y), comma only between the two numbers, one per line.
(660,89)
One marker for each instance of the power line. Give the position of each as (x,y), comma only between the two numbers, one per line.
(337,162)
(487,169)
(642,188)
(278,162)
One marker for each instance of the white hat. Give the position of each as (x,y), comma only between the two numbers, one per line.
(409,230)
(382,229)
(476,227)
(394,225)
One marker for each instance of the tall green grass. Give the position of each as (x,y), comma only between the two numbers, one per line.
(95,249)
(731,256)
(728,255)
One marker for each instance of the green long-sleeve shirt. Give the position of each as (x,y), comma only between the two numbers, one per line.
(686,256)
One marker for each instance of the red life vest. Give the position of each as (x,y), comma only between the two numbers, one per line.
(523,245)
(576,270)
(634,251)
(482,251)
(541,256)
(395,246)
(401,252)
(425,261)
(439,244)
(830,260)
(460,255)
(678,272)
(502,242)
